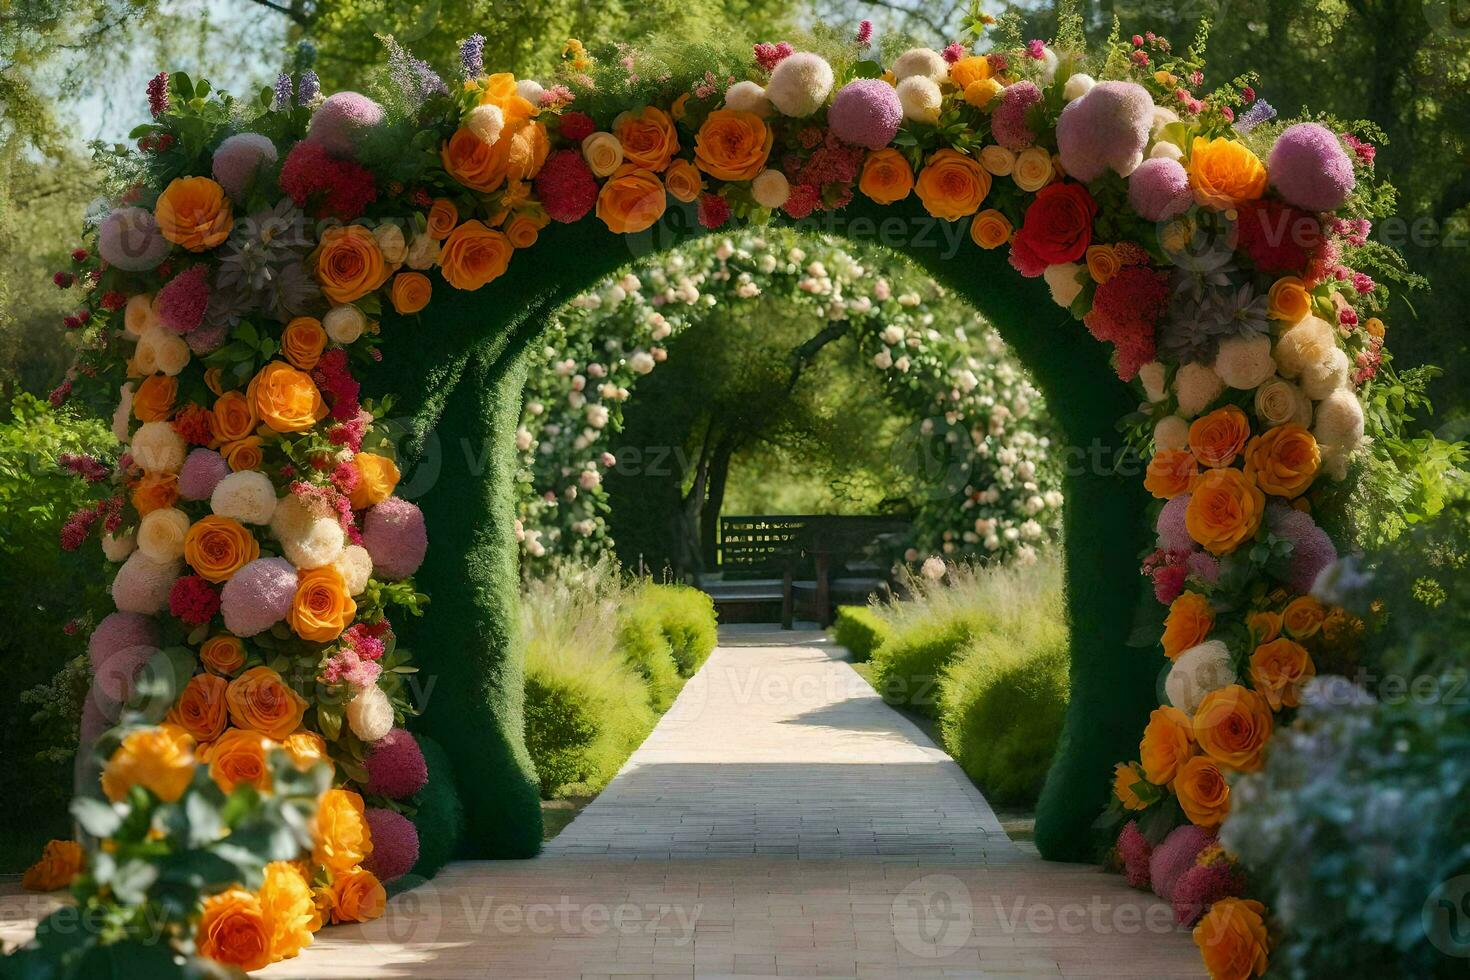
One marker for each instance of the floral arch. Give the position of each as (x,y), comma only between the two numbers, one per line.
(995,494)
(267,263)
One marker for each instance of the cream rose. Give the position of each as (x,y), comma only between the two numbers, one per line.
(998,160)
(344,323)
(1033,169)
(1310,342)
(390,242)
(1065,282)
(161,350)
(161,534)
(423,252)
(117,547)
(603,153)
(138,315)
(370,714)
(1278,402)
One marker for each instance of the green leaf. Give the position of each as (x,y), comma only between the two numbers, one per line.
(97,817)
(867,69)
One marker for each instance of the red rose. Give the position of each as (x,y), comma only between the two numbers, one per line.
(1057,227)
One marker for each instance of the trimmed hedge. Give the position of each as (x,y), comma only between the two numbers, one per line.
(440,815)
(908,666)
(642,642)
(861,629)
(687,618)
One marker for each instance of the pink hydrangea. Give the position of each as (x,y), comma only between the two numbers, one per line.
(1135,851)
(347,667)
(182,302)
(1176,855)
(120,631)
(395,537)
(201,473)
(1106,129)
(1159,189)
(866,112)
(395,766)
(238,159)
(1008,123)
(1169,582)
(1311,548)
(1200,887)
(1309,168)
(340,119)
(258,596)
(395,844)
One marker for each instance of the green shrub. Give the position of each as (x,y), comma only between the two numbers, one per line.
(687,618)
(1003,700)
(641,639)
(861,629)
(907,667)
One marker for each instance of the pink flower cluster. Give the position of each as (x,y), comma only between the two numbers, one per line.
(334,378)
(769,55)
(1125,311)
(324,185)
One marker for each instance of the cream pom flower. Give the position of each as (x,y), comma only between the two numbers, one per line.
(1153,377)
(344,323)
(138,315)
(161,534)
(158,448)
(1339,431)
(1307,343)
(1278,402)
(920,98)
(355,566)
(161,350)
(1033,169)
(603,153)
(486,122)
(1198,671)
(921,62)
(748,97)
(117,547)
(1326,376)
(248,496)
(530,90)
(1196,386)
(1244,363)
(1077,86)
(307,541)
(800,84)
(423,252)
(1171,432)
(770,189)
(1064,282)
(142,584)
(1166,151)
(370,714)
(123,414)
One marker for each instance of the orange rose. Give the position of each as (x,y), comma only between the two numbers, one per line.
(474,255)
(1279,669)
(1216,439)
(377,476)
(1264,625)
(887,176)
(243,454)
(321,608)
(349,264)
(648,137)
(975,68)
(1190,619)
(517,155)
(201,710)
(500,90)
(218,547)
(238,758)
(1224,174)
(222,653)
(341,839)
(155,490)
(1170,473)
(682,181)
(990,229)
(1233,725)
(522,231)
(1168,740)
(1284,461)
(260,701)
(357,896)
(631,200)
(1102,263)
(1232,939)
(732,145)
(287,907)
(1303,617)
(1288,300)
(303,341)
(443,216)
(233,930)
(1204,796)
(160,759)
(952,185)
(306,748)
(214,381)
(61,861)
(194,212)
(410,292)
(233,417)
(285,399)
(1126,778)
(154,399)
(1224,511)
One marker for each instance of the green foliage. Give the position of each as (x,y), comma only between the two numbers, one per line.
(907,667)
(686,617)
(861,629)
(646,649)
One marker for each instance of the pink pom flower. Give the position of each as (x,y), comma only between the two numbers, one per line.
(395,844)
(340,119)
(238,159)
(202,471)
(129,239)
(1175,856)
(120,631)
(258,596)
(1135,850)
(394,536)
(866,112)
(1173,535)
(1106,129)
(1159,189)
(1008,123)
(1309,167)
(1200,887)
(396,767)
(566,186)
(182,302)
(1311,548)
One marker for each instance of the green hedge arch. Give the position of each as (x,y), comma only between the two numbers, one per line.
(459,367)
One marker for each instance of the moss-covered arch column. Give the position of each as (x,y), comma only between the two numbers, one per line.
(462,363)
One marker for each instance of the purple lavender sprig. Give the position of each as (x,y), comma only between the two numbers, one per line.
(1259,113)
(472,55)
(308,88)
(282,100)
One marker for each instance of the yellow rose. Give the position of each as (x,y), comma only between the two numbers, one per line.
(410,292)
(1224,173)
(306,748)
(160,759)
(348,263)
(341,839)
(218,547)
(194,212)
(357,896)
(648,137)
(683,182)
(260,701)
(223,654)
(1102,263)
(603,153)
(1303,617)
(1126,778)
(288,910)
(474,255)
(952,185)
(321,608)
(982,94)
(998,160)
(1288,300)
(232,930)
(975,68)
(1033,169)
(1264,625)
(377,477)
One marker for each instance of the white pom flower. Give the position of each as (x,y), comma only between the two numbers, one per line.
(370,714)
(486,122)
(344,323)
(748,97)
(1152,376)
(1307,343)
(921,63)
(1198,671)
(1327,375)
(800,84)
(1077,86)
(306,540)
(161,534)
(933,568)
(1064,282)
(530,90)
(157,448)
(1163,116)
(117,547)
(355,566)
(1244,363)
(883,360)
(1339,431)
(247,496)
(770,189)
(1171,432)
(123,413)
(920,98)
(1196,386)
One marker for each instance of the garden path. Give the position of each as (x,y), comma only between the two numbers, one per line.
(780,821)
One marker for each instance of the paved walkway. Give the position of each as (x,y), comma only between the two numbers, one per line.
(780,821)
